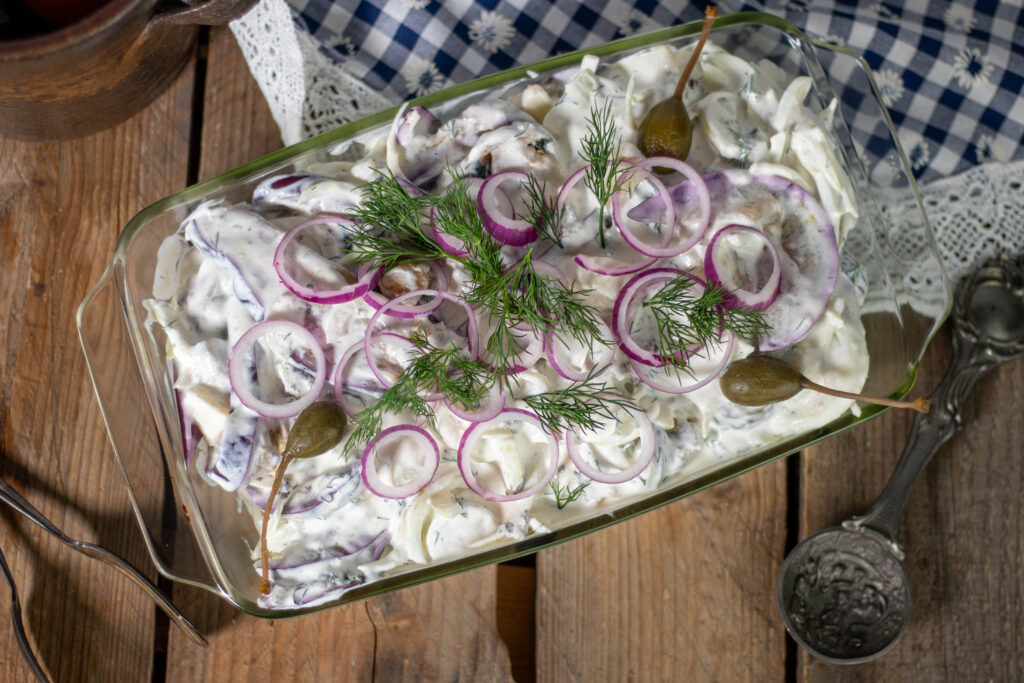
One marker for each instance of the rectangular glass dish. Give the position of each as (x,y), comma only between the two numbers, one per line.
(199,534)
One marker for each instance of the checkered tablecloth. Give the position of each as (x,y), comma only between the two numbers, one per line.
(951,72)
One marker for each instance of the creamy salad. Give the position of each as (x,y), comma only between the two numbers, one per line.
(267,307)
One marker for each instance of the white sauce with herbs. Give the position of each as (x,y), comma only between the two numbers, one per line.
(335,533)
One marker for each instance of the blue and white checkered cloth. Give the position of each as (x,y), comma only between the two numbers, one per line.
(950,72)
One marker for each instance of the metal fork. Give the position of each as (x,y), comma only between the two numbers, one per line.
(18,502)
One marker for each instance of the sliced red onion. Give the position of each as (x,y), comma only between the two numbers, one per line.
(717,268)
(622,311)
(563,192)
(376,300)
(487,410)
(526,358)
(472,435)
(643,459)
(239,367)
(472,329)
(549,270)
(504,227)
(607,266)
(807,248)
(320,296)
(669,219)
(558,354)
(672,380)
(415,120)
(339,381)
(431,460)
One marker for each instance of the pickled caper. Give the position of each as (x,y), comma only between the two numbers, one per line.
(666,129)
(759,380)
(317,429)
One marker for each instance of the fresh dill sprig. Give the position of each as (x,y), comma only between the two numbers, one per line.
(601,148)
(565,496)
(388,221)
(687,322)
(543,211)
(583,405)
(443,369)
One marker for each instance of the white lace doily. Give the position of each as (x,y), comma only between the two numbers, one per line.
(307,92)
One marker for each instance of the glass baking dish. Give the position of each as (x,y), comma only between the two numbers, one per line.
(199,535)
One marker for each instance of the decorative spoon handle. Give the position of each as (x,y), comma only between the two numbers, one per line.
(988,329)
(18,502)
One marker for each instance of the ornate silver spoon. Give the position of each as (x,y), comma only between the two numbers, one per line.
(844,593)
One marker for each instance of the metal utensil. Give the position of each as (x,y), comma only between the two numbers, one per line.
(844,593)
(18,502)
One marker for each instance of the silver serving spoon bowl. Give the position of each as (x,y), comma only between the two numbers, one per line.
(844,593)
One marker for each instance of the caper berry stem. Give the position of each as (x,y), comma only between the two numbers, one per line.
(264,553)
(921,405)
(710,13)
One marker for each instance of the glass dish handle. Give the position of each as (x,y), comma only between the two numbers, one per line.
(135,434)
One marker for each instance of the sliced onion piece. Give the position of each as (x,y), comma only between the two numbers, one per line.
(488,409)
(504,226)
(339,380)
(238,368)
(725,266)
(320,296)
(624,309)
(672,380)
(669,220)
(527,357)
(431,459)
(549,270)
(562,352)
(472,329)
(473,434)
(454,245)
(376,300)
(645,453)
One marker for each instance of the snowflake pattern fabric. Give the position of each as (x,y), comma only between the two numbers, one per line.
(951,72)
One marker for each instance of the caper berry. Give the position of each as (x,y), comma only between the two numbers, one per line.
(759,380)
(317,429)
(666,130)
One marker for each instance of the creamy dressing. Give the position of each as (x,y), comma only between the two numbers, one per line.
(328,532)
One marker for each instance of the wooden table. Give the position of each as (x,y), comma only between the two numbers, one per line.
(683,593)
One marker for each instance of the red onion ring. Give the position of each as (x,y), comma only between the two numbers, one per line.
(558,355)
(670,219)
(526,358)
(472,329)
(623,309)
(647,442)
(363,284)
(505,228)
(376,300)
(240,384)
(472,435)
(549,270)
(563,192)
(716,270)
(454,245)
(372,479)
(488,409)
(338,377)
(657,378)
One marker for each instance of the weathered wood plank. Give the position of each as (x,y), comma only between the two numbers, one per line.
(444,630)
(686,592)
(961,532)
(61,208)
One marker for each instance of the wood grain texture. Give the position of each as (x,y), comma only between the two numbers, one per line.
(961,532)
(441,631)
(682,593)
(61,208)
